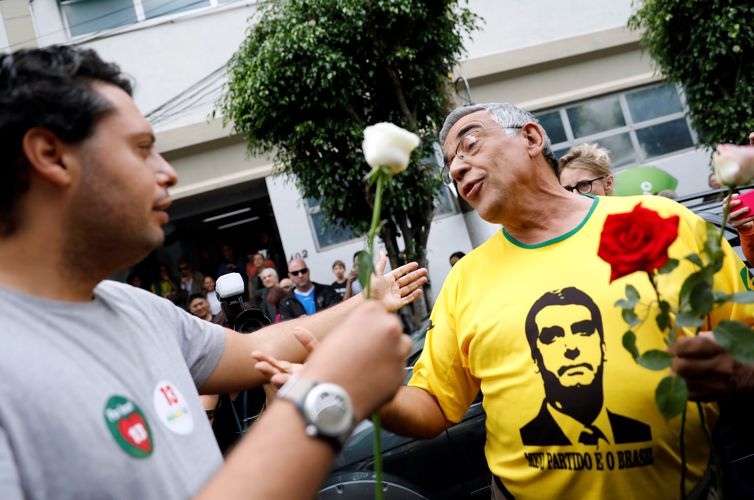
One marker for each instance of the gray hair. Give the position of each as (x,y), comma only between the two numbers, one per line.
(508,117)
(269,269)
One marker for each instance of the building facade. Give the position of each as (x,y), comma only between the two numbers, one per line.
(579,69)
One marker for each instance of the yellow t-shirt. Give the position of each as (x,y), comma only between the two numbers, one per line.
(494,315)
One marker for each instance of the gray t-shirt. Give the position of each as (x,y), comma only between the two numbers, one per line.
(99,399)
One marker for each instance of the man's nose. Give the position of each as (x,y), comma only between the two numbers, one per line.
(572,353)
(458,168)
(165,173)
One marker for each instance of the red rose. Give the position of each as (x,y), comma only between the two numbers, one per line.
(636,241)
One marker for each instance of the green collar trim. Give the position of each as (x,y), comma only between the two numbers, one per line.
(562,236)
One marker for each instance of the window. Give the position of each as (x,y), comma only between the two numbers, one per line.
(326,234)
(635,126)
(89,16)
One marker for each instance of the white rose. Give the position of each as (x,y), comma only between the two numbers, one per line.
(734,165)
(387,145)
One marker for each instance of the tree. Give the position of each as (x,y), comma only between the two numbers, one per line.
(706,47)
(312,74)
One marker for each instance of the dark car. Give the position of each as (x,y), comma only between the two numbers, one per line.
(453,466)
(449,466)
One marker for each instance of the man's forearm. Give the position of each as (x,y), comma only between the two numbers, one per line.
(414,412)
(262,463)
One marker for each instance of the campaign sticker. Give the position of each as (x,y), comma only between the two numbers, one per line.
(172,408)
(129,426)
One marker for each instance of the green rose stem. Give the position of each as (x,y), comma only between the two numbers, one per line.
(382,178)
(652,280)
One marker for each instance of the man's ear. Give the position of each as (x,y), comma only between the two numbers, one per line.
(46,155)
(535,138)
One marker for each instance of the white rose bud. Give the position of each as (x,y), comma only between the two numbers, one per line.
(734,165)
(387,145)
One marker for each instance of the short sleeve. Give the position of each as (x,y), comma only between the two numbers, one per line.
(10,482)
(442,369)
(202,343)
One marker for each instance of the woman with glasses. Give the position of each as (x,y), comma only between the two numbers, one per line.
(586,169)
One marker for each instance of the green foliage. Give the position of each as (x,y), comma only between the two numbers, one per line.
(311,74)
(671,396)
(737,339)
(707,47)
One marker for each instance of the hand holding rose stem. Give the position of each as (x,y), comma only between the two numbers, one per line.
(627,249)
(387,149)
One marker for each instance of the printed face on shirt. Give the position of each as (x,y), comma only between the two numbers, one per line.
(569,344)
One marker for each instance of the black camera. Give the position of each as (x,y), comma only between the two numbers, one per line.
(239,315)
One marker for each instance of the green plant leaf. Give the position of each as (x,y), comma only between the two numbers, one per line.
(366,267)
(701,299)
(630,317)
(663,321)
(688,320)
(721,297)
(690,283)
(695,259)
(668,267)
(655,359)
(629,343)
(736,338)
(632,294)
(671,396)
(624,304)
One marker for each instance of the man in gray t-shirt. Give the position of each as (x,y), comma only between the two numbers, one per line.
(100,380)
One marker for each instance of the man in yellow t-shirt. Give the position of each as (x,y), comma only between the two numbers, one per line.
(528,319)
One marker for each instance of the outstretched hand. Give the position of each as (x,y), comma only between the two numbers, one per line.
(278,371)
(399,287)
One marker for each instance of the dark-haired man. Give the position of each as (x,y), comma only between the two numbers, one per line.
(100,378)
(502,163)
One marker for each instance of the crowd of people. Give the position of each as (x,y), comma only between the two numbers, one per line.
(527,319)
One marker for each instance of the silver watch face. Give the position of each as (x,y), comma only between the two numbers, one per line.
(328,407)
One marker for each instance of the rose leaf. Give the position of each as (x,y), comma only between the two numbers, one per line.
(736,338)
(630,317)
(688,320)
(629,342)
(669,266)
(366,267)
(701,299)
(655,359)
(671,396)
(632,294)
(663,321)
(695,259)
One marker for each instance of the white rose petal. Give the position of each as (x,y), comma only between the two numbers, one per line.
(734,165)
(387,145)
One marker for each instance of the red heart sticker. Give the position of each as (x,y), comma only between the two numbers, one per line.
(134,431)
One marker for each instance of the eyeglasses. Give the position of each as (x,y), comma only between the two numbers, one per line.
(584,187)
(300,271)
(467,147)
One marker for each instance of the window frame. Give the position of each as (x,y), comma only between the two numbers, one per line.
(630,126)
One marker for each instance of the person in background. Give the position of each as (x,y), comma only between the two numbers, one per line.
(271,303)
(254,267)
(191,281)
(339,285)
(270,280)
(134,279)
(208,284)
(668,193)
(165,286)
(307,297)
(455,257)
(286,284)
(586,169)
(742,219)
(353,286)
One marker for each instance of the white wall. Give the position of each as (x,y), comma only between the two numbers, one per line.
(3,36)
(514,25)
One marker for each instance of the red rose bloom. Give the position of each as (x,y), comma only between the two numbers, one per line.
(636,241)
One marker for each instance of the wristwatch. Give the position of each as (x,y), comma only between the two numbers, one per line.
(326,408)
